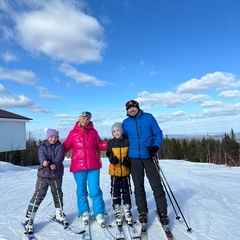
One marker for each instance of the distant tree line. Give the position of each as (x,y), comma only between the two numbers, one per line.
(224,151)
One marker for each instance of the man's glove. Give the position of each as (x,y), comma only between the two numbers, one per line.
(126,162)
(152,150)
(114,160)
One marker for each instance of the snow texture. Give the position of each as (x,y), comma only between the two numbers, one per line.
(207,194)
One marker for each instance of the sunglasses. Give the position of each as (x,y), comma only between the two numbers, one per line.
(131,103)
(86,114)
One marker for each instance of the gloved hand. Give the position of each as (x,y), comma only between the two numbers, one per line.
(50,162)
(152,150)
(126,162)
(114,160)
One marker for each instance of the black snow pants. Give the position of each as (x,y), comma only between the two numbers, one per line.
(138,169)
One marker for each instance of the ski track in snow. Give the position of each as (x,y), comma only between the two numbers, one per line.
(207,195)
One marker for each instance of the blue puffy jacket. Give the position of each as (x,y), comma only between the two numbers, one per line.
(142,131)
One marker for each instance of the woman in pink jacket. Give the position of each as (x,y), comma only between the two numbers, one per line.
(85,143)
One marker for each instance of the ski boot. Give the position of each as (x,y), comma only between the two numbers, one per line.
(164,219)
(118,215)
(143,217)
(29,222)
(128,214)
(85,218)
(100,220)
(61,217)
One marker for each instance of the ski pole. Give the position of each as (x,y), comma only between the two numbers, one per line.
(161,172)
(130,192)
(112,190)
(58,195)
(164,185)
(38,190)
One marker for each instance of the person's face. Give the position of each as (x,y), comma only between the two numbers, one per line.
(84,121)
(117,133)
(52,139)
(132,111)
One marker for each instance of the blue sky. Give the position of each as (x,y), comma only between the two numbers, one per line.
(178,59)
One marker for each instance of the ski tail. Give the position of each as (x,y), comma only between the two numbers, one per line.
(165,228)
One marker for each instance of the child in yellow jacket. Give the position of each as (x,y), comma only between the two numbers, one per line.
(119,169)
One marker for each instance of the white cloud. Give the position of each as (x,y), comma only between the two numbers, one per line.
(61,31)
(8,101)
(212,103)
(20,76)
(226,110)
(61,115)
(80,77)
(43,93)
(178,114)
(230,94)
(2,88)
(58,29)
(165,99)
(209,81)
(152,73)
(169,99)
(9,57)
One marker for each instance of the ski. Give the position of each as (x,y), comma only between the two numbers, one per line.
(53,217)
(144,233)
(165,228)
(168,232)
(86,235)
(69,227)
(119,234)
(133,232)
(27,235)
(107,234)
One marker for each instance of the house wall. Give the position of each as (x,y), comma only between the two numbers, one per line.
(12,135)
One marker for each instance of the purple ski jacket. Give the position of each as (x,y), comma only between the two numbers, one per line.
(53,153)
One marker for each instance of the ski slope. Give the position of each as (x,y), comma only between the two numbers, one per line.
(208,196)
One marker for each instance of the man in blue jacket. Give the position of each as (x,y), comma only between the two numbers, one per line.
(145,138)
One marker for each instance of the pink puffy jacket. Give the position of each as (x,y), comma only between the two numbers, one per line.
(85,144)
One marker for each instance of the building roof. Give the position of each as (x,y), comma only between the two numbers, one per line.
(6,114)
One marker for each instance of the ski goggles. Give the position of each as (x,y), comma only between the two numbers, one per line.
(86,114)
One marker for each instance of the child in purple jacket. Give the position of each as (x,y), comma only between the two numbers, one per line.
(50,173)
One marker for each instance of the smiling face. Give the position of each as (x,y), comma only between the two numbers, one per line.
(117,133)
(83,121)
(133,111)
(52,139)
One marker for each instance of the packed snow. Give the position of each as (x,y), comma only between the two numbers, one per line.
(208,196)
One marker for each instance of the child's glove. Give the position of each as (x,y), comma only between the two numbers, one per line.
(114,160)
(152,150)
(126,162)
(50,162)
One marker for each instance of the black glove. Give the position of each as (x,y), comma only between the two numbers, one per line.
(50,162)
(114,160)
(126,162)
(152,150)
